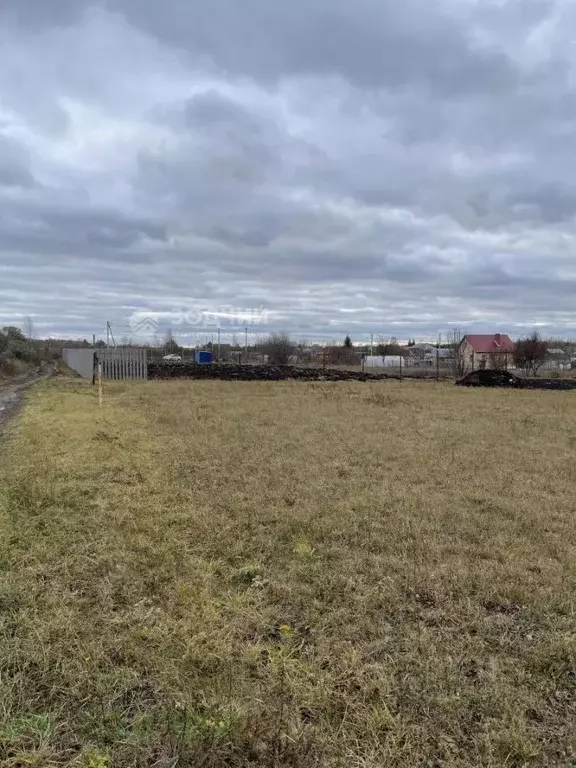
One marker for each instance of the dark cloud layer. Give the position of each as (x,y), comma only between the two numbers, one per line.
(347,167)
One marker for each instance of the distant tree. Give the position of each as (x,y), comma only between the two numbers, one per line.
(499,359)
(29,331)
(278,347)
(13,333)
(303,351)
(347,354)
(13,344)
(21,350)
(170,345)
(457,359)
(389,349)
(530,353)
(411,342)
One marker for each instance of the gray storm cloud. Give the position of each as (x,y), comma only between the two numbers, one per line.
(362,167)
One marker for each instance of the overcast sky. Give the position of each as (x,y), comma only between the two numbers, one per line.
(320,166)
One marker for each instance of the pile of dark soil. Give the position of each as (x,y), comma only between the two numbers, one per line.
(229,372)
(233,372)
(496,378)
(561,384)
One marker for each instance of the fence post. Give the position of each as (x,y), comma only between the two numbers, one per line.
(100,395)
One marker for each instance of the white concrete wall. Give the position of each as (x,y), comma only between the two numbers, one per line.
(80,360)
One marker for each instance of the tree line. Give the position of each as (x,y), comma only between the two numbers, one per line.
(529,354)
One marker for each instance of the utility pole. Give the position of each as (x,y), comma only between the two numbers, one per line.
(218,343)
(438,357)
(371,344)
(246,342)
(109,335)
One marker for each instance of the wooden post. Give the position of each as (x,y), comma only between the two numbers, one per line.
(100,394)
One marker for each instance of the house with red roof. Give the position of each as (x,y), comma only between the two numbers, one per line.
(487,351)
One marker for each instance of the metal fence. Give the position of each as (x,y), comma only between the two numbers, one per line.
(123,363)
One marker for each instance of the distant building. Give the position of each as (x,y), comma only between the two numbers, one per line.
(421,350)
(558,359)
(487,351)
(427,354)
(384,361)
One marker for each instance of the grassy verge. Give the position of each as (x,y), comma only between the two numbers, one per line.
(288,574)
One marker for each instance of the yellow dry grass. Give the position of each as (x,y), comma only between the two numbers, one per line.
(288,574)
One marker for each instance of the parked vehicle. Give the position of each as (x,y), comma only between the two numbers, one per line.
(173,358)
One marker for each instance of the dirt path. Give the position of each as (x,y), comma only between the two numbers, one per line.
(9,401)
(11,396)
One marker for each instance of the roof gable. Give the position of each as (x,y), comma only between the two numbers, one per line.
(491,342)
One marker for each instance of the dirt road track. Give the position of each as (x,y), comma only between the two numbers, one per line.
(11,396)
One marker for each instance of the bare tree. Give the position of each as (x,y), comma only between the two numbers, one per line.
(498,359)
(303,351)
(171,346)
(457,359)
(278,347)
(387,349)
(28,328)
(531,353)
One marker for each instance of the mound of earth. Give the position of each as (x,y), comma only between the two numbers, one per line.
(497,378)
(233,372)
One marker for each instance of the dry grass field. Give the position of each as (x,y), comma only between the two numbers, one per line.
(288,574)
